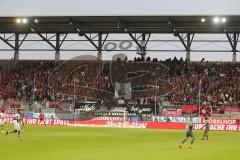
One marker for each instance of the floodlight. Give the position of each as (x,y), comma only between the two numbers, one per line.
(18,20)
(223,20)
(36,20)
(24,20)
(216,19)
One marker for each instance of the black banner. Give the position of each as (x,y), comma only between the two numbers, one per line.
(130,108)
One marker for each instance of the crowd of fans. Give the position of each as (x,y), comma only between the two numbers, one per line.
(212,83)
(175,81)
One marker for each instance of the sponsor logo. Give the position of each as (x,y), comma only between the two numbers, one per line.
(126,124)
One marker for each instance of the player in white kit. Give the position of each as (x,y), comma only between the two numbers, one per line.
(2,120)
(16,123)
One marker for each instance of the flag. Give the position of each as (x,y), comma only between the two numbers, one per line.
(123,90)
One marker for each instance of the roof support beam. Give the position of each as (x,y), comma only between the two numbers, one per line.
(143,53)
(105,39)
(189,38)
(24,37)
(182,41)
(63,40)
(10,37)
(121,50)
(149,35)
(16,50)
(43,38)
(57,42)
(233,40)
(49,38)
(189,43)
(57,51)
(90,40)
(134,39)
(101,42)
(78,30)
(123,26)
(46,40)
(230,40)
(5,41)
(99,54)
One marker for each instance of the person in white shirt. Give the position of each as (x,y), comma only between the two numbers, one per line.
(16,124)
(2,116)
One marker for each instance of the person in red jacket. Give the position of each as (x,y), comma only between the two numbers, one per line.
(41,119)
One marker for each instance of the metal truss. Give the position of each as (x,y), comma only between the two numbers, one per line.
(101,39)
(97,40)
(233,40)
(186,39)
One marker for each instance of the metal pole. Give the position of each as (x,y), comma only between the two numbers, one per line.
(155,105)
(16,51)
(199,96)
(99,54)
(57,50)
(234,57)
(155,99)
(188,54)
(74,92)
(34,89)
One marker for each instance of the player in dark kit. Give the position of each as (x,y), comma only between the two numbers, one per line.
(207,127)
(189,133)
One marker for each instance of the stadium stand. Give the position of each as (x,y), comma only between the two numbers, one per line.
(178,82)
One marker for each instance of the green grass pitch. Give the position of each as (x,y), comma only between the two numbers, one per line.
(76,143)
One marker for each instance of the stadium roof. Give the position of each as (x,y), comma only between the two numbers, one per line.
(121,24)
(182,27)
